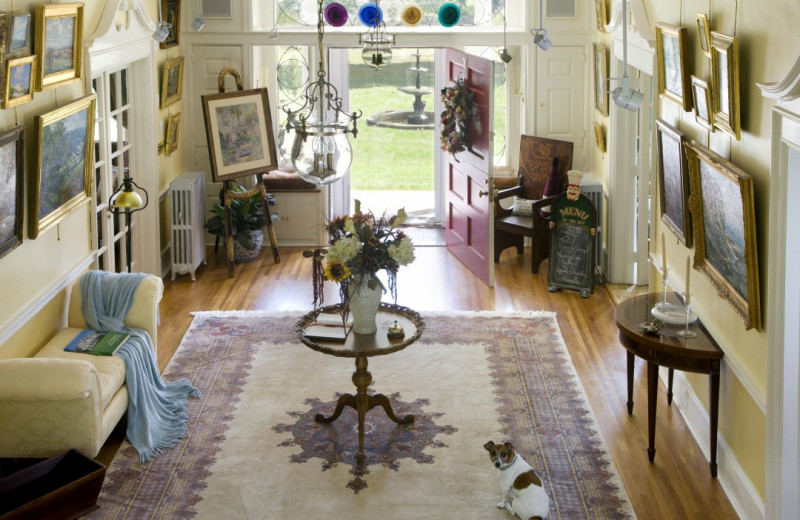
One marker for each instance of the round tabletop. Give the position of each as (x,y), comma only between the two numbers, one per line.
(631,313)
(366,345)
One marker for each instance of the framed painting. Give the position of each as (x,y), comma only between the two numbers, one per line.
(600,79)
(58,44)
(19,33)
(600,14)
(172,81)
(62,174)
(12,171)
(723,215)
(673,64)
(704,33)
(173,133)
(18,88)
(239,133)
(171,13)
(673,181)
(701,95)
(725,83)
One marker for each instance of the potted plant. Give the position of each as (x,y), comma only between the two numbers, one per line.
(247,223)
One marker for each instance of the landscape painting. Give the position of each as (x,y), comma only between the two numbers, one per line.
(19,32)
(724,226)
(65,148)
(239,134)
(58,44)
(19,84)
(11,172)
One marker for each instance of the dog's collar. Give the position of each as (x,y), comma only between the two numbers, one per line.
(503,468)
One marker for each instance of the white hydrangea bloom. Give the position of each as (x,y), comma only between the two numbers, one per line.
(402,253)
(344,249)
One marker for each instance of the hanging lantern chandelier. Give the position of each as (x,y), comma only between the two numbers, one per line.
(317,130)
(377,43)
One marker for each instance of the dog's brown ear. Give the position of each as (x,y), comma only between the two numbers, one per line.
(489,445)
(508,446)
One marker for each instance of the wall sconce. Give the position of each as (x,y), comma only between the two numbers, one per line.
(162,28)
(624,95)
(128,201)
(198,22)
(540,38)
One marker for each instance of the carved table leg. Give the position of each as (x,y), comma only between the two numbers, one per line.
(362,403)
(652,397)
(631,361)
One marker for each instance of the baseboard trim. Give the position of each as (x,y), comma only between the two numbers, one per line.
(737,486)
(37,303)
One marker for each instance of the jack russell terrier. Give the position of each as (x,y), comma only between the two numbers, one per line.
(521,488)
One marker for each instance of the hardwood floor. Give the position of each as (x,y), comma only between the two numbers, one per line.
(677,486)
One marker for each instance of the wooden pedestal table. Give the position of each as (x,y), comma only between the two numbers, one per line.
(700,354)
(362,347)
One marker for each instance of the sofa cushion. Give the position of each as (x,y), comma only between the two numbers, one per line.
(110,369)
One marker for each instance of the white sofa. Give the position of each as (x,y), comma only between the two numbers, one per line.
(57,400)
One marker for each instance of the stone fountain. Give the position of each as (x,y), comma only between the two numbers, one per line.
(418,119)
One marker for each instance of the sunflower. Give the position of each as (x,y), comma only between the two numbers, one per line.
(337,271)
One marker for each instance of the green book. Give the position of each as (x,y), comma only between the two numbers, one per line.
(97,342)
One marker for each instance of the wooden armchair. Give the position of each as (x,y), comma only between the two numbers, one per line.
(538,155)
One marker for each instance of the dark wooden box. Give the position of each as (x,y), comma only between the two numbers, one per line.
(63,487)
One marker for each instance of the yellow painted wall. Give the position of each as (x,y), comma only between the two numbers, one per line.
(28,273)
(769,43)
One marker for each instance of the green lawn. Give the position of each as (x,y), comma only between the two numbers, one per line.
(389,158)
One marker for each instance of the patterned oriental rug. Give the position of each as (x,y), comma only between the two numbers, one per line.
(254,451)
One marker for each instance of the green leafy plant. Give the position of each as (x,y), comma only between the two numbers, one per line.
(247,215)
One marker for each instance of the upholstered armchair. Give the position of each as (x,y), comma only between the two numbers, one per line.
(540,159)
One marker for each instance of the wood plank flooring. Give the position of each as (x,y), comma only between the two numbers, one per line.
(677,486)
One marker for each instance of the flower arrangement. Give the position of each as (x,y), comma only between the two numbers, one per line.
(361,244)
(457,101)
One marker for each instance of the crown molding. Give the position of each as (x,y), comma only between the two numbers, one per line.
(786,89)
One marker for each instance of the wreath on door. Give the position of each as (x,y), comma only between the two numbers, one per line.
(457,102)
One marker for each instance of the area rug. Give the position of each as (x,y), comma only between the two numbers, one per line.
(254,450)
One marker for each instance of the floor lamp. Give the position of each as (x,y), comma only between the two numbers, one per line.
(128,201)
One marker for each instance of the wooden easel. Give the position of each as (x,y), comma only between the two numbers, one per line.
(231,195)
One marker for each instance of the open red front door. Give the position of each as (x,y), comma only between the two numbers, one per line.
(469,233)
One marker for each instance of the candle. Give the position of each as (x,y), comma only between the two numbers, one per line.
(688,300)
(663,255)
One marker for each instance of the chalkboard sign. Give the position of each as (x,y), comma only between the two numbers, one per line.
(573,224)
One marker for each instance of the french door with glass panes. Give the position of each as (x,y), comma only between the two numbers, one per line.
(113,150)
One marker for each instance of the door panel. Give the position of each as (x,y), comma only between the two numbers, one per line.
(469,231)
(560,87)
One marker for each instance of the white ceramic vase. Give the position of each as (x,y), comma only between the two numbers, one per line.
(364,304)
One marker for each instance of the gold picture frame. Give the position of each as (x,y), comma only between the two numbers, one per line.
(724,229)
(725,83)
(673,64)
(701,95)
(20,75)
(172,81)
(704,33)
(599,137)
(239,134)
(62,175)
(171,13)
(173,133)
(673,181)
(600,79)
(600,14)
(60,57)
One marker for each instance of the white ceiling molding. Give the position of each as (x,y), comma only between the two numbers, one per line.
(641,25)
(125,17)
(786,89)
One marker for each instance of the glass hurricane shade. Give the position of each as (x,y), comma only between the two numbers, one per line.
(377,50)
(323,157)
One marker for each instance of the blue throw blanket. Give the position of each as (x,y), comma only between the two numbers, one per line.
(156,410)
